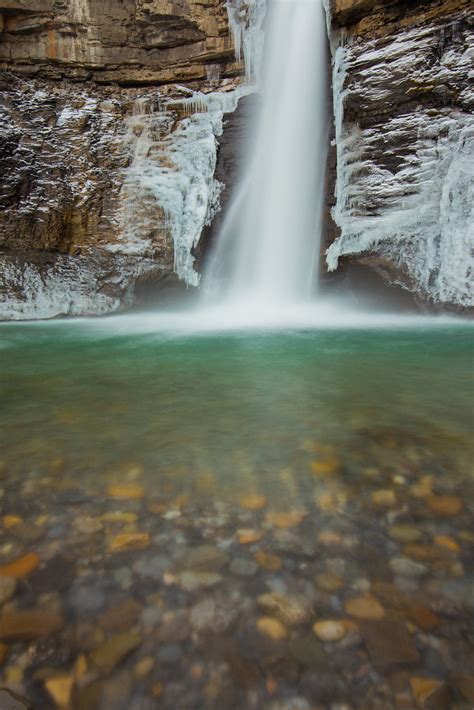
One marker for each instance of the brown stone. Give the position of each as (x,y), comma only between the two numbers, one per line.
(444,506)
(60,689)
(248,537)
(11,701)
(422,617)
(271,628)
(329,466)
(253,502)
(120,617)
(285,520)
(268,561)
(329,582)
(21,567)
(365,606)
(129,541)
(290,609)
(28,625)
(465,684)
(389,644)
(114,650)
(126,491)
(430,694)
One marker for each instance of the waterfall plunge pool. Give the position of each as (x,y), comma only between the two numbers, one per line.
(188,511)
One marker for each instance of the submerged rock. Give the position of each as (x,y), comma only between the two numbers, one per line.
(365,606)
(291,610)
(329,630)
(271,628)
(27,625)
(389,644)
(113,651)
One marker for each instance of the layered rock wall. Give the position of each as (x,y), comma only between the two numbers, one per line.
(403,104)
(110,114)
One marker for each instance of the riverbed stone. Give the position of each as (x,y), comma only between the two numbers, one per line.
(329,466)
(389,644)
(464,682)
(430,693)
(29,624)
(247,536)
(444,506)
(21,567)
(126,491)
(365,606)
(11,701)
(114,650)
(243,567)
(87,525)
(404,534)
(291,610)
(329,630)
(121,616)
(384,498)
(329,581)
(129,541)
(285,520)
(268,561)
(143,667)
(406,567)
(447,543)
(120,517)
(60,689)
(213,615)
(192,581)
(205,558)
(271,628)
(27,532)
(55,575)
(308,651)
(7,588)
(253,502)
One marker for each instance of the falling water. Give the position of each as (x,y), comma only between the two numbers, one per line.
(268,248)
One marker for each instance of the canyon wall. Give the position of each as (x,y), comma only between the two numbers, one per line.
(110,115)
(403,107)
(119,143)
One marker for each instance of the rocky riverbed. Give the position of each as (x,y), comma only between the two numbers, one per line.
(122,595)
(279,522)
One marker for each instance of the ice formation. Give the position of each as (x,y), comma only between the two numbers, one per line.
(415,207)
(172,169)
(246,26)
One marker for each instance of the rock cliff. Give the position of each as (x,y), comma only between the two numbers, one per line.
(403,106)
(110,114)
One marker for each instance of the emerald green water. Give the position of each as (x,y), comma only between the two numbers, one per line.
(239,408)
(181,512)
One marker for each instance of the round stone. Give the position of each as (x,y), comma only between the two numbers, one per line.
(271,628)
(329,630)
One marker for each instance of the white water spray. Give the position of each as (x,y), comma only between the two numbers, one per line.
(268,249)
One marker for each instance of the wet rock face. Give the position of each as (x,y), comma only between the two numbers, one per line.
(107,162)
(404,133)
(65,244)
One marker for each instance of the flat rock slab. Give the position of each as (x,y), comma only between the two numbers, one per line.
(389,644)
(29,625)
(11,701)
(205,558)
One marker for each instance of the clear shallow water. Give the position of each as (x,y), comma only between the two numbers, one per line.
(317,443)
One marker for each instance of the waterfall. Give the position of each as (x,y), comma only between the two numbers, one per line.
(268,249)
